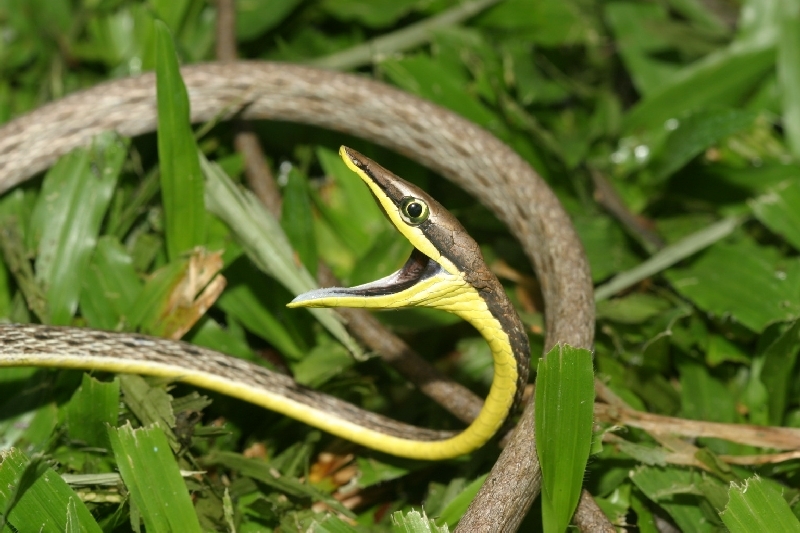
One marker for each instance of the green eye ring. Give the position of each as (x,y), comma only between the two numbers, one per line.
(413,210)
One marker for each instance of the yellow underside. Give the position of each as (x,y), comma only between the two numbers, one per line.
(451,293)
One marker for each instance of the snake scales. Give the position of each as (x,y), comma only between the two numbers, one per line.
(446,143)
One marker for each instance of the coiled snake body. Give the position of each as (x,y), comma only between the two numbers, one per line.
(446,143)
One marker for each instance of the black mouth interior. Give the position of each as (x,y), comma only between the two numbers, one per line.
(417,268)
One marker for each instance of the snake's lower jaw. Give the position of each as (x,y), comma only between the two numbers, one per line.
(408,287)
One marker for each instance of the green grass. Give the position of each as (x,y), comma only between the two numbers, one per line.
(687,109)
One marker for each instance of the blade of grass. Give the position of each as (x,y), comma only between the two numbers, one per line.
(66,220)
(668,256)
(153,478)
(564,415)
(409,37)
(181,176)
(297,219)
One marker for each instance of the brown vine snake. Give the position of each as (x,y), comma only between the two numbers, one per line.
(446,143)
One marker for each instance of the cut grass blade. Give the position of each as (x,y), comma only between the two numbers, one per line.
(416,522)
(755,507)
(93,407)
(34,498)
(153,478)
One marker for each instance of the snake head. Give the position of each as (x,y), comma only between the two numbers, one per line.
(435,273)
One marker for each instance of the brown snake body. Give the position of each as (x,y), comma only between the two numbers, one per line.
(444,142)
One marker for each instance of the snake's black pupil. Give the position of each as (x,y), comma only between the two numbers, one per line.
(414,210)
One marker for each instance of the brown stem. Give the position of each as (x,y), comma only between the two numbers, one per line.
(761,436)
(607,196)
(257,172)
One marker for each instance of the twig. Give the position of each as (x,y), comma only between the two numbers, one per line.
(761,436)
(607,196)
(401,40)
(256,170)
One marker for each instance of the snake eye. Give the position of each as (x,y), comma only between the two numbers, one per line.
(414,210)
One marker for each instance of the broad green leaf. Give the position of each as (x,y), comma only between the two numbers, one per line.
(321,364)
(211,334)
(668,256)
(254,17)
(93,407)
(181,176)
(633,24)
(788,65)
(422,75)
(701,14)
(547,22)
(376,14)
(720,350)
(776,375)
(755,506)
(674,490)
(15,256)
(749,283)
(632,309)
(111,290)
(387,254)
(262,239)
(374,472)
(34,498)
(695,134)
(297,219)
(606,245)
(779,210)
(28,414)
(153,479)
(704,397)
(458,505)
(564,417)
(719,79)
(152,405)
(247,301)
(66,221)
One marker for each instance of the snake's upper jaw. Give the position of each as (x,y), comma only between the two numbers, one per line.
(395,290)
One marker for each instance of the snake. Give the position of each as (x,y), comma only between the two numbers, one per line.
(455,148)
(445,271)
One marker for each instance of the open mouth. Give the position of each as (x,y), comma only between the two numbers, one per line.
(417,268)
